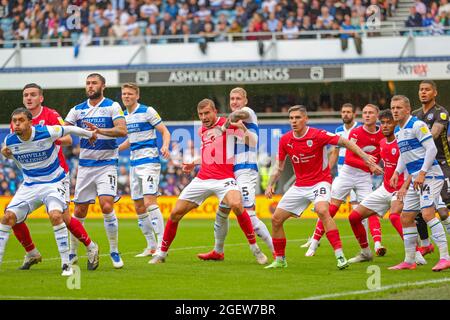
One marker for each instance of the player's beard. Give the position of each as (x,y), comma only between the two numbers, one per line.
(95,95)
(347,120)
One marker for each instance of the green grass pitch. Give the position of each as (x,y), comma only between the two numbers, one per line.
(184,276)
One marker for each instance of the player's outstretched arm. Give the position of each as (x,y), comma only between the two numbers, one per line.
(436,130)
(277,170)
(124,145)
(119,129)
(6,152)
(371,161)
(250,138)
(188,167)
(91,135)
(333,157)
(430,156)
(235,116)
(166,140)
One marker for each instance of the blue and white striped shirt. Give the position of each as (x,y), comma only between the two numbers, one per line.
(409,140)
(141,125)
(246,157)
(105,151)
(38,157)
(343,132)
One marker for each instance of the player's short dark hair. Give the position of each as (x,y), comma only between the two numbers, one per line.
(386,114)
(430,82)
(205,103)
(349,105)
(98,75)
(22,110)
(298,107)
(34,85)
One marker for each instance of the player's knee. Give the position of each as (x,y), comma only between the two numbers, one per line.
(150,201)
(277,221)
(443,213)
(107,207)
(55,217)
(140,208)
(9,218)
(236,206)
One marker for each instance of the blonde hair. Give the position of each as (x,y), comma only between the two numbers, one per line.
(402,98)
(239,90)
(372,106)
(131,85)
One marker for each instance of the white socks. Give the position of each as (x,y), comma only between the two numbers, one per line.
(62,241)
(410,239)
(439,237)
(157,221)
(73,240)
(112,230)
(261,229)
(220,231)
(145,224)
(4,236)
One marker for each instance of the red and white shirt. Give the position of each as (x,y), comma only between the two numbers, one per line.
(308,155)
(217,151)
(51,117)
(369,142)
(389,154)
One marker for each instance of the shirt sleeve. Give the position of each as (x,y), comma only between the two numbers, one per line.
(441,117)
(116,111)
(56,132)
(71,117)
(328,137)
(55,119)
(421,131)
(153,117)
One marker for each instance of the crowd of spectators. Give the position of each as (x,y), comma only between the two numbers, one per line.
(127,21)
(431,14)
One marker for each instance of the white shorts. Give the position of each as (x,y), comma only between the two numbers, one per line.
(199,190)
(353,198)
(440,204)
(349,179)
(144,180)
(297,199)
(379,201)
(95,181)
(66,183)
(246,180)
(427,197)
(29,198)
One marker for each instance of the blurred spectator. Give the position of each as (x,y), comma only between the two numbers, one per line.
(290,30)
(414,19)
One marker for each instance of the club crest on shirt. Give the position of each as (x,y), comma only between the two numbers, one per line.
(424,130)
(394,151)
(309,143)
(430,116)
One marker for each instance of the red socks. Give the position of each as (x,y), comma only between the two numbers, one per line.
(397,223)
(279,245)
(77,229)
(320,230)
(246,225)
(169,234)
(358,228)
(375,228)
(335,239)
(22,234)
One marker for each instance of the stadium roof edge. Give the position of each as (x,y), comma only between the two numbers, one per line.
(238,64)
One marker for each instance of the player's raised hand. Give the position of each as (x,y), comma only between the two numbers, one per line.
(269,192)
(239,124)
(187,167)
(165,152)
(394,180)
(90,126)
(376,169)
(418,182)
(93,138)
(370,160)
(6,152)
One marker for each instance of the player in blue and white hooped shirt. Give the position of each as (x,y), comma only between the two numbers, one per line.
(97,167)
(417,157)
(145,167)
(246,174)
(36,154)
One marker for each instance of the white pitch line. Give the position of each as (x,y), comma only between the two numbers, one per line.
(394,286)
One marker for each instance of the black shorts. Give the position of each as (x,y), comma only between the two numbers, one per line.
(445,193)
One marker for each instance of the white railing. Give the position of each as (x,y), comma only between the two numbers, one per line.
(386,30)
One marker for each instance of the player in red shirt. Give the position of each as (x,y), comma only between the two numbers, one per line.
(306,147)
(32,99)
(386,197)
(216,176)
(356,175)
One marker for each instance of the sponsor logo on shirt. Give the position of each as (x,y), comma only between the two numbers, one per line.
(443,116)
